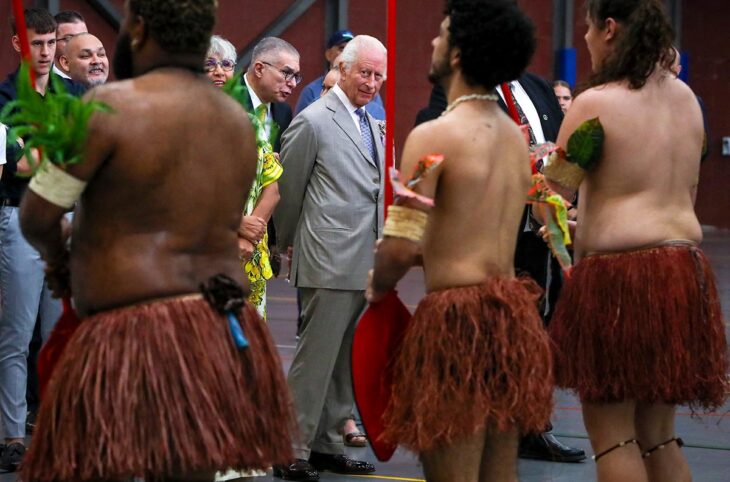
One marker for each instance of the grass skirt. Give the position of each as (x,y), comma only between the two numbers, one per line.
(157,389)
(471,357)
(642,325)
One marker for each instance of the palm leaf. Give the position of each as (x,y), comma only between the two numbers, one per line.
(56,125)
(239,92)
(585,145)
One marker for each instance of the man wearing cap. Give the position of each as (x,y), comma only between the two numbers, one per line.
(312,91)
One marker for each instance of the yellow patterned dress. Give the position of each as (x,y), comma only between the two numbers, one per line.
(268,170)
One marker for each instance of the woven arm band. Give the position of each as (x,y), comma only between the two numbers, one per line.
(57,186)
(407,223)
(559,169)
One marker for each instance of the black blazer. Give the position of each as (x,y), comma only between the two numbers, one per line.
(543,98)
(282,115)
(532,255)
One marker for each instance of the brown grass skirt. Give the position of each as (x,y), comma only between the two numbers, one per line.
(642,325)
(471,357)
(157,389)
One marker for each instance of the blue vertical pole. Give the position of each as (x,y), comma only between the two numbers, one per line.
(566,65)
(684,62)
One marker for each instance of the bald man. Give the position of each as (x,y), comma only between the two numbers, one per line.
(85,60)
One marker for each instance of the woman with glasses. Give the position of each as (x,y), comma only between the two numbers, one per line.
(220,61)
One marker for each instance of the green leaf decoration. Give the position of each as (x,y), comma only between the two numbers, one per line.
(238,90)
(55,125)
(555,213)
(585,145)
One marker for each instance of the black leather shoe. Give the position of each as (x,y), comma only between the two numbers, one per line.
(299,470)
(544,446)
(340,464)
(12,456)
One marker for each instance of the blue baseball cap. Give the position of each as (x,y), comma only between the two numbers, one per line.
(341,36)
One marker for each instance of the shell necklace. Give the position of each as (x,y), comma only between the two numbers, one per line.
(468,98)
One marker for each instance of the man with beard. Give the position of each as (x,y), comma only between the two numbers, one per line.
(540,110)
(477,320)
(170,375)
(85,60)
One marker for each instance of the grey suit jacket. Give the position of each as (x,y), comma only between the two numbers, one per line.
(331,207)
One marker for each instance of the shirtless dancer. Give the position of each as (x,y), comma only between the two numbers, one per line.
(152,384)
(638,326)
(475,349)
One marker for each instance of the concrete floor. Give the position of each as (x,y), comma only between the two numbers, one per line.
(707,436)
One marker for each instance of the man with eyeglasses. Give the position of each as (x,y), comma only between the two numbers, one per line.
(69,24)
(25,297)
(271,78)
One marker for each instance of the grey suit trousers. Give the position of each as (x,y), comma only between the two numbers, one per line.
(320,378)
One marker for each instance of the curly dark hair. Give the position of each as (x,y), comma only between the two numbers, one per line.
(645,40)
(178,26)
(496,39)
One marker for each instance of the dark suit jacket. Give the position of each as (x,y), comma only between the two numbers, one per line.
(280,112)
(543,98)
(532,255)
(436,105)
(282,115)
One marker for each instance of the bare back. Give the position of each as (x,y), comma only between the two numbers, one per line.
(480,194)
(642,190)
(174,164)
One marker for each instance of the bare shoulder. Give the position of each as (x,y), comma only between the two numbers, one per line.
(113,94)
(682,92)
(429,136)
(591,102)
(440,135)
(597,102)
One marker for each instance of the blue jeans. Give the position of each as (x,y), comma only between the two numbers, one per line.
(25,298)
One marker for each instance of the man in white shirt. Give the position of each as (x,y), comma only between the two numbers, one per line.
(537,107)
(331,212)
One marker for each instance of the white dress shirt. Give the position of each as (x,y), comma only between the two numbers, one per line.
(3,139)
(351,108)
(528,108)
(255,102)
(60,72)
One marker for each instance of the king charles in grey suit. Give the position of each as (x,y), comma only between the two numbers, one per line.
(331,212)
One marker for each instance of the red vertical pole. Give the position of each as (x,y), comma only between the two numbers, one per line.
(22,31)
(390,102)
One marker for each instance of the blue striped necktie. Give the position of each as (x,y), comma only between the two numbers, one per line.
(366,133)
